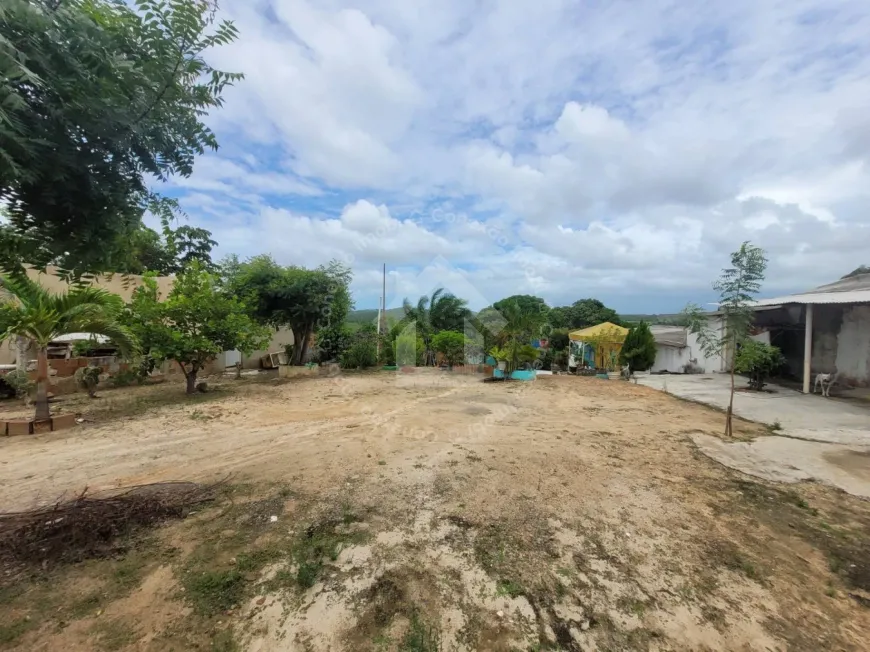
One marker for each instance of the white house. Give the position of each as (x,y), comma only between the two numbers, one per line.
(678,351)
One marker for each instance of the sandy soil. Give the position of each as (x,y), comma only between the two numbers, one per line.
(568,513)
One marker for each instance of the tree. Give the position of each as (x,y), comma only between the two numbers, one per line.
(146,250)
(759,361)
(300,298)
(197,321)
(362,351)
(40,316)
(639,348)
(99,99)
(421,315)
(533,306)
(448,312)
(560,317)
(559,339)
(737,286)
(591,312)
(451,345)
(582,314)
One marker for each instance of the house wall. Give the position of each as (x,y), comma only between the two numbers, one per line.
(121,284)
(853,346)
(673,359)
(280,338)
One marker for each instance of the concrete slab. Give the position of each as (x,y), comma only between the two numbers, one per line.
(809,417)
(821,439)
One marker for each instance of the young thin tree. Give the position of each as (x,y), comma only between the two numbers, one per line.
(40,316)
(737,287)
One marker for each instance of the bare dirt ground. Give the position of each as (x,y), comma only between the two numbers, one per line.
(431,512)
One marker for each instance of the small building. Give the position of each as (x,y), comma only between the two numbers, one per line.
(678,351)
(823,330)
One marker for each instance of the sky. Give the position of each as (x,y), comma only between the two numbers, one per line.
(568,149)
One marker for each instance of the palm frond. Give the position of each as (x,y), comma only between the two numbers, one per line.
(18,284)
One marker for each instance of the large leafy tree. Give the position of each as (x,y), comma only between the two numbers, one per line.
(100,97)
(535,307)
(582,314)
(198,320)
(300,298)
(30,311)
(737,287)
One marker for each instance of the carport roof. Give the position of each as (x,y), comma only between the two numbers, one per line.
(855,289)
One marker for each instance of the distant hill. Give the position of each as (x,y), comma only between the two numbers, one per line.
(370,316)
(667,319)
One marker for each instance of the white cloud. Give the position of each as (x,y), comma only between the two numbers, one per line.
(622,148)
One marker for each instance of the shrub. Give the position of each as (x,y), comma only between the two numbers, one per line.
(758,361)
(87,378)
(361,353)
(332,342)
(451,345)
(16,384)
(639,348)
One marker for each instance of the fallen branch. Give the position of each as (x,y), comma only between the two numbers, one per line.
(89,526)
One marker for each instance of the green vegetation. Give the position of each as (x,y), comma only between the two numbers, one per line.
(737,287)
(420,637)
(759,361)
(451,345)
(40,316)
(212,592)
(197,321)
(100,99)
(639,348)
(302,299)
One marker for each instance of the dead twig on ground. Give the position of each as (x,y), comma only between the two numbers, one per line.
(90,526)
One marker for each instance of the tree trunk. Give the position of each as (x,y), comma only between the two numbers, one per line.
(22,345)
(303,345)
(731,399)
(42,411)
(191,381)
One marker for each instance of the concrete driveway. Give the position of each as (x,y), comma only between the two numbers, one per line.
(821,439)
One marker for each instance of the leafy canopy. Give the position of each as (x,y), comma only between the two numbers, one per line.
(99,99)
(639,348)
(759,361)
(451,345)
(197,321)
(737,287)
(300,298)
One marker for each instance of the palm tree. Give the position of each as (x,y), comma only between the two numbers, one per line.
(34,313)
(423,318)
(440,312)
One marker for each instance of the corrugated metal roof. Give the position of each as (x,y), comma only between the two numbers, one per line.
(80,337)
(847,290)
(669,335)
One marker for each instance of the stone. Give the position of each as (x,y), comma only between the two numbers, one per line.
(19,427)
(40,427)
(62,421)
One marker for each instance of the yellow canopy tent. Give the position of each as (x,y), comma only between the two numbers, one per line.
(606,339)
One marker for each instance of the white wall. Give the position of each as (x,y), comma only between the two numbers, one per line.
(853,345)
(673,359)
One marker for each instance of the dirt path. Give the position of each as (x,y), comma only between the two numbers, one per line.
(570,512)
